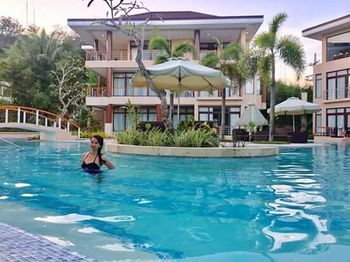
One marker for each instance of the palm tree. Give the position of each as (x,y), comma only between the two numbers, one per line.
(160,43)
(232,60)
(272,47)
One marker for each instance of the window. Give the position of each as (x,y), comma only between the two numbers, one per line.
(148,114)
(185,113)
(318,86)
(232,115)
(121,84)
(121,120)
(146,54)
(207,94)
(338,120)
(249,87)
(337,85)
(338,46)
(318,123)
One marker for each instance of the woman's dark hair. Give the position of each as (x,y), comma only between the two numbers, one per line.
(100,141)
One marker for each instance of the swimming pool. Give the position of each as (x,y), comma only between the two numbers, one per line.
(293,207)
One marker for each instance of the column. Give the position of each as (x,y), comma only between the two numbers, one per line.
(109,81)
(109,119)
(109,45)
(197,35)
(96,47)
(159,113)
(243,38)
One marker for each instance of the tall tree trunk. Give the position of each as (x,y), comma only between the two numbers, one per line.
(272,99)
(223,105)
(160,93)
(171,113)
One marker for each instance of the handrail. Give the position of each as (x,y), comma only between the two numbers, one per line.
(48,116)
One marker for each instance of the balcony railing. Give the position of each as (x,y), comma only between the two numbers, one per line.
(339,93)
(122,55)
(333,131)
(95,91)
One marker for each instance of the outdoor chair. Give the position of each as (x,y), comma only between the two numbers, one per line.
(260,136)
(299,137)
(239,137)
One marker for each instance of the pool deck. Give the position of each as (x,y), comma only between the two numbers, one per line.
(19,245)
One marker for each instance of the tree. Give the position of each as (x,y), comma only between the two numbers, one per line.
(10,29)
(136,31)
(160,43)
(10,26)
(68,83)
(232,60)
(28,63)
(272,47)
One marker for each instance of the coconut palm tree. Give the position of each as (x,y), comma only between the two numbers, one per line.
(234,62)
(162,44)
(273,47)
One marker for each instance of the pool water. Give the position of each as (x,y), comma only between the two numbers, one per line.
(292,207)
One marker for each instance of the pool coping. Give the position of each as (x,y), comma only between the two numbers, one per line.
(19,245)
(212,152)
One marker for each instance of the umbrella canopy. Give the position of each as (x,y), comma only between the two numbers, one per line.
(180,74)
(295,106)
(252,115)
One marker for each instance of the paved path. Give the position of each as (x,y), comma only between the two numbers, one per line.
(18,245)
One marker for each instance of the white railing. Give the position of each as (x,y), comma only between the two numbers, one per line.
(28,115)
(336,93)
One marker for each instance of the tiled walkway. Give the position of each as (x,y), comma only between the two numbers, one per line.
(18,245)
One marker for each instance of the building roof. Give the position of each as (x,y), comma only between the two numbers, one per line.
(174,25)
(327,28)
(174,15)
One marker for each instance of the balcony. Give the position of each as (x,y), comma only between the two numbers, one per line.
(336,94)
(92,55)
(95,91)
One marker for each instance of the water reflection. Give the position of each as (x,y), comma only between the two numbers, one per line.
(298,196)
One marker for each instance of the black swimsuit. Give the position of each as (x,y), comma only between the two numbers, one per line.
(90,167)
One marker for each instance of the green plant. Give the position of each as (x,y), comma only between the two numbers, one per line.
(202,137)
(130,136)
(89,134)
(133,114)
(155,137)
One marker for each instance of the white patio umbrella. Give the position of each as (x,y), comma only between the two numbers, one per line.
(179,74)
(252,115)
(295,106)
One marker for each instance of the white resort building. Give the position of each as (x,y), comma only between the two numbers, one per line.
(112,58)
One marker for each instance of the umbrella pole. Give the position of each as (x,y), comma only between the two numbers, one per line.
(178,109)
(293,123)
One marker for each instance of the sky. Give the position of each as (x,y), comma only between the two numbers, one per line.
(302,14)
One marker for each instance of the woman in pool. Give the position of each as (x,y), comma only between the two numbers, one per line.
(93,160)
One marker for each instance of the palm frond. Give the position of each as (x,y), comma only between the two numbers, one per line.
(183,48)
(159,43)
(265,41)
(232,51)
(248,63)
(292,53)
(161,59)
(264,68)
(277,21)
(210,59)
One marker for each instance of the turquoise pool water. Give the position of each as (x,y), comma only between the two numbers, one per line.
(293,207)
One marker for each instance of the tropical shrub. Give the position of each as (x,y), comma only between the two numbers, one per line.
(130,136)
(89,134)
(203,137)
(155,137)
